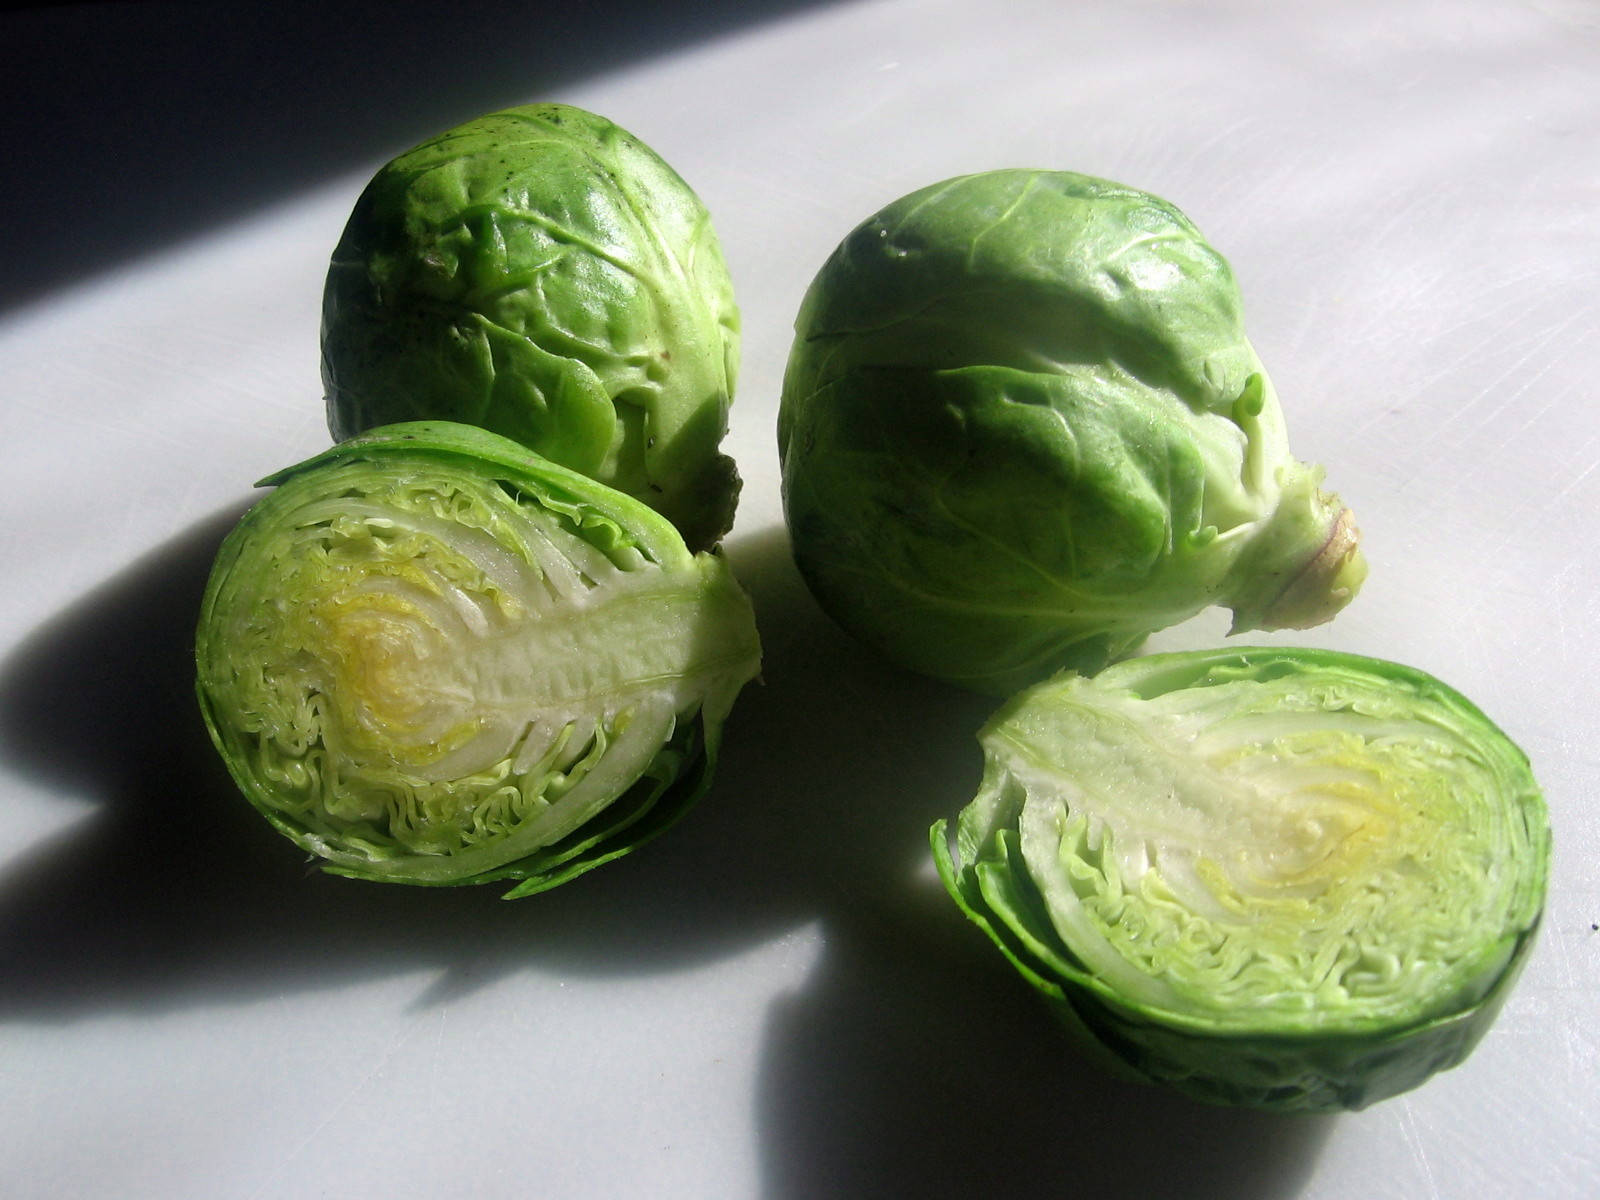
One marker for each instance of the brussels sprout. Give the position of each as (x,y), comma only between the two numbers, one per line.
(1288,879)
(543,274)
(1022,429)
(431,657)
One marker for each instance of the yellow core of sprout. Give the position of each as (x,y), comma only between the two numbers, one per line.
(386,694)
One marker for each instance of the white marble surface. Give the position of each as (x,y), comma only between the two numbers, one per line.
(774,1002)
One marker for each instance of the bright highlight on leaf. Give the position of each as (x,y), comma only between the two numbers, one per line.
(1022,429)
(542,273)
(431,657)
(1292,879)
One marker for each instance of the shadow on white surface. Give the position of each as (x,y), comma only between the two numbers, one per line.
(142,125)
(174,893)
(900,1072)
(913,1058)
(915,1061)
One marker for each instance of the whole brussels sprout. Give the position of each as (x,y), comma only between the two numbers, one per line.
(541,273)
(1280,878)
(429,656)
(1022,428)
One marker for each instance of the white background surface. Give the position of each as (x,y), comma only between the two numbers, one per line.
(774,1001)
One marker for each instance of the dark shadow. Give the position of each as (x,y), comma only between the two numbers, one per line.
(917,1063)
(126,127)
(912,1059)
(172,891)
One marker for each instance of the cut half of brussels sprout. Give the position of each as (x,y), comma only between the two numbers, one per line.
(1281,878)
(430,656)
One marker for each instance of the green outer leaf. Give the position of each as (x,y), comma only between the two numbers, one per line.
(680,771)
(542,273)
(1339,1065)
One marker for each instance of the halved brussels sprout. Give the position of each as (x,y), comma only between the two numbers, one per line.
(542,273)
(1022,428)
(431,657)
(1289,879)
